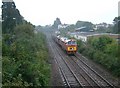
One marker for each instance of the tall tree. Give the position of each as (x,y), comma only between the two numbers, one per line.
(116,28)
(10,16)
(88,25)
(56,23)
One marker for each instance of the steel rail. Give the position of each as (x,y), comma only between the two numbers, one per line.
(111,85)
(70,68)
(65,81)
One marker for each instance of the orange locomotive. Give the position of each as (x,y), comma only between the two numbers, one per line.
(69,45)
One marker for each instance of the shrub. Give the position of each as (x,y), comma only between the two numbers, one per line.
(103,50)
(25,58)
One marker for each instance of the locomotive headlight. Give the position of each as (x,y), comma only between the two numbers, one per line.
(71,48)
(74,48)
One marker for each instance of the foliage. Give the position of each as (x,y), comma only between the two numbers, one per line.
(116,28)
(56,23)
(80,44)
(10,16)
(24,53)
(104,50)
(25,58)
(88,25)
(101,42)
(71,28)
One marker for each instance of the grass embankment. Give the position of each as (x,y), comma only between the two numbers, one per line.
(105,51)
(25,58)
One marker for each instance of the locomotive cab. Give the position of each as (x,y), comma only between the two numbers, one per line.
(71,47)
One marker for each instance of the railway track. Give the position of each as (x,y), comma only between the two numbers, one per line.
(92,73)
(74,71)
(68,76)
(84,79)
(92,78)
(70,79)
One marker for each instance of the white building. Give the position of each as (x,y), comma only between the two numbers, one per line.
(83,36)
(62,26)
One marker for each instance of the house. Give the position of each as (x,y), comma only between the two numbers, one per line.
(62,26)
(84,36)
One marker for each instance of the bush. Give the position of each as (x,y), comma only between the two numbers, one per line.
(103,50)
(25,58)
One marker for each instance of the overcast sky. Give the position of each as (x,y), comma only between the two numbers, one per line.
(44,12)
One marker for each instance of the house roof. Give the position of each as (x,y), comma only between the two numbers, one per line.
(94,34)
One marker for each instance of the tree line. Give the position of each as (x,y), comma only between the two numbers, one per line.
(24,52)
(89,26)
(103,50)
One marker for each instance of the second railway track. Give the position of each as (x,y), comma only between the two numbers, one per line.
(92,78)
(94,74)
(75,72)
(68,76)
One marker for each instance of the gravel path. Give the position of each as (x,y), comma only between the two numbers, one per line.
(56,80)
(55,76)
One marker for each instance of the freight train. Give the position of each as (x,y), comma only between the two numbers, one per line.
(69,45)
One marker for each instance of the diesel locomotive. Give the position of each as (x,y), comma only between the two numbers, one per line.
(69,45)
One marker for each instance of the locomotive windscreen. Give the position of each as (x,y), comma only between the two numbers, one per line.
(72,43)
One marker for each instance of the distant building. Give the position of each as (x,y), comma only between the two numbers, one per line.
(84,29)
(62,26)
(101,25)
(79,29)
(84,36)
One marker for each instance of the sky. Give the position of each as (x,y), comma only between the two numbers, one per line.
(44,12)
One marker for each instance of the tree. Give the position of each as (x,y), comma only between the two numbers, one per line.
(10,16)
(88,25)
(56,23)
(116,28)
(100,43)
